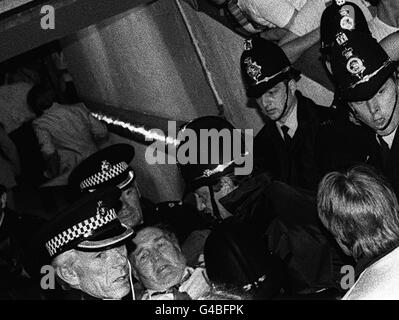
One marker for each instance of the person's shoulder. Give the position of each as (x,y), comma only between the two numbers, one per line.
(324,114)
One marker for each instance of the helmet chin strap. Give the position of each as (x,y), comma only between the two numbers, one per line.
(215,208)
(285,104)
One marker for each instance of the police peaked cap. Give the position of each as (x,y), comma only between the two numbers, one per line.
(107,167)
(360,66)
(89,224)
(196,174)
(263,65)
(338,20)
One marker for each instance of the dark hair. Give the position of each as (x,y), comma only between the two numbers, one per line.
(33,95)
(165,228)
(360,209)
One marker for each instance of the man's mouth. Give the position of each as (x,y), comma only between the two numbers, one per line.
(162,268)
(269,111)
(379,123)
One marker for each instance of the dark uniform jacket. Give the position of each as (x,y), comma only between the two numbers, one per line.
(390,167)
(294,164)
(287,219)
(15,233)
(342,144)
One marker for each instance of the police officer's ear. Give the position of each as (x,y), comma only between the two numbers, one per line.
(292,85)
(65,268)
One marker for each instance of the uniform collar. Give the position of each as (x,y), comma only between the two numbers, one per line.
(291,122)
(389,138)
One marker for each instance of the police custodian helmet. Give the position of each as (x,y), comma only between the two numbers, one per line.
(360,66)
(338,20)
(198,174)
(263,65)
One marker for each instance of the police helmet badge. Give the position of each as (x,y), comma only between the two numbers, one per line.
(347,23)
(344,11)
(347,13)
(341,38)
(105,166)
(248,44)
(253,69)
(340,2)
(101,209)
(355,66)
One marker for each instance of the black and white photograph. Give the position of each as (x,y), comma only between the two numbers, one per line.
(223,151)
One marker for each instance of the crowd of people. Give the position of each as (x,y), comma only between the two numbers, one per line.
(321,198)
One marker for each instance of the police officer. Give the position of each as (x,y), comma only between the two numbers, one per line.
(367,80)
(286,145)
(344,142)
(85,244)
(111,167)
(274,211)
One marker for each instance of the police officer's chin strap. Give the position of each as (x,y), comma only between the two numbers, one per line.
(215,207)
(131,280)
(286,103)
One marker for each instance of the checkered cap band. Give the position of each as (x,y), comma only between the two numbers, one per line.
(85,227)
(104,175)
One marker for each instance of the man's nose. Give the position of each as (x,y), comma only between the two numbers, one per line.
(155,256)
(373,105)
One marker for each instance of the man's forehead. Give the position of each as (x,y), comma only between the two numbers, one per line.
(91,254)
(276,86)
(148,235)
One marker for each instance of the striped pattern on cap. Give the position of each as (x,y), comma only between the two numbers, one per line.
(84,228)
(107,172)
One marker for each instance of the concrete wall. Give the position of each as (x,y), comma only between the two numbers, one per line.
(145,60)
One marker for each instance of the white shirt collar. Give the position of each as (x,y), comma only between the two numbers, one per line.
(291,122)
(389,138)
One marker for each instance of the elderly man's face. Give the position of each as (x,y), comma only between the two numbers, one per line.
(104,274)
(376,112)
(158,262)
(131,213)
